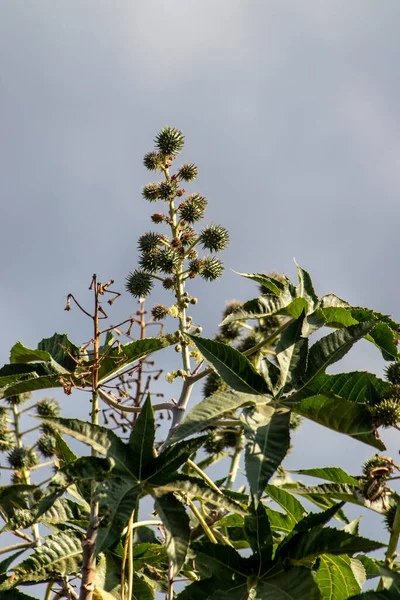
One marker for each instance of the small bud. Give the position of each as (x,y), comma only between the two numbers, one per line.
(193,301)
(158,217)
(173,311)
(198,330)
(170,377)
(178,348)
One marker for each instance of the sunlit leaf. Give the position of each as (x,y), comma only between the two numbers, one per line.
(176,526)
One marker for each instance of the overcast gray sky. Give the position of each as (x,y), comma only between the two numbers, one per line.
(290,110)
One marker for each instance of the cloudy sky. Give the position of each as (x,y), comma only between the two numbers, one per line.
(290,110)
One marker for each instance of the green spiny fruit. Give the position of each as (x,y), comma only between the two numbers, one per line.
(188,172)
(18,399)
(22,458)
(159,312)
(214,238)
(377,463)
(393,372)
(212,268)
(168,189)
(149,241)
(390,515)
(167,260)
(213,384)
(170,141)
(46,445)
(139,283)
(386,413)
(169,283)
(193,208)
(153,161)
(48,407)
(151,192)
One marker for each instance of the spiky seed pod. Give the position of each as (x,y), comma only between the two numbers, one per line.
(17,477)
(214,238)
(393,372)
(48,407)
(386,413)
(213,384)
(151,192)
(153,161)
(377,462)
(149,261)
(196,266)
(159,312)
(169,283)
(213,268)
(231,437)
(139,283)
(188,172)
(268,325)
(22,458)
(170,141)
(193,208)
(230,331)
(149,241)
(167,260)
(6,440)
(295,421)
(46,445)
(158,217)
(168,189)
(389,515)
(48,429)
(18,399)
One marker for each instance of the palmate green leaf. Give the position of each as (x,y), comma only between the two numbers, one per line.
(170,459)
(267,442)
(350,386)
(231,365)
(141,439)
(67,456)
(326,540)
(279,521)
(331,300)
(342,492)
(119,358)
(223,571)
(333,347)
(101,439)
(384,595)
(16,595)
(305,288)
(267,306)
(15,496)
(59,555)
(258,531)
(209,409)
(385,339)
(29,383)
(275,286)
(291,354)
(295,511)
(177,531)
(196,488)
(117,499)
(335,577)
(296,583)
(335,474)
(20,354)
(337,414)
(61,350)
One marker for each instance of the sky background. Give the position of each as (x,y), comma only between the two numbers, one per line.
(291,112)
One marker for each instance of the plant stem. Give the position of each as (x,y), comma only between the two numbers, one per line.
(234,464)
(89,541)
(17,547)
(196,468)
(25,473)
(390,554)
(202,522)
(49,590)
